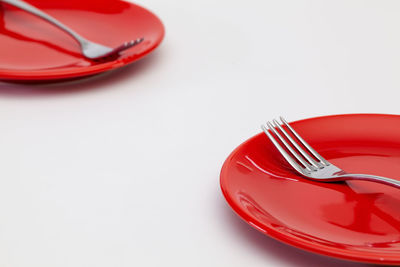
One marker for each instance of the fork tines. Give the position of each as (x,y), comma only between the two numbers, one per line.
(128,45)
(309,160)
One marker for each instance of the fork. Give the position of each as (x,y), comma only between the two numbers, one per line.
(90,50)
(307,162)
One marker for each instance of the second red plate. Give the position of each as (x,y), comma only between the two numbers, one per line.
(32,49)
(355,220)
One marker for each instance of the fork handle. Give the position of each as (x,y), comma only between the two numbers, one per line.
(372,178)
(37,12)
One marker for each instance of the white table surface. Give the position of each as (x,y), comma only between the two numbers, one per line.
(123,169)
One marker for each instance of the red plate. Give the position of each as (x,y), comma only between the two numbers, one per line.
(32,49)
(355,220)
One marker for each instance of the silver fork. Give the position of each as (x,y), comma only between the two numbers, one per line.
(308,162)
(89,49)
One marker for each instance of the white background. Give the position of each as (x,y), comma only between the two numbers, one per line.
(123,169)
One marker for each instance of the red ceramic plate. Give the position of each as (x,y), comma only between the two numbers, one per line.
(358,221)
(32,49)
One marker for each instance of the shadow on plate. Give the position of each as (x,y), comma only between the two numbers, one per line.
(79,85)
(272,248)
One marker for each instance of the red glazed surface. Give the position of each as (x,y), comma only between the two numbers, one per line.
(358,221)
(32,49)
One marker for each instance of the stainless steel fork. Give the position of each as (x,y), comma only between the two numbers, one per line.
(307,162)
(89,49)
